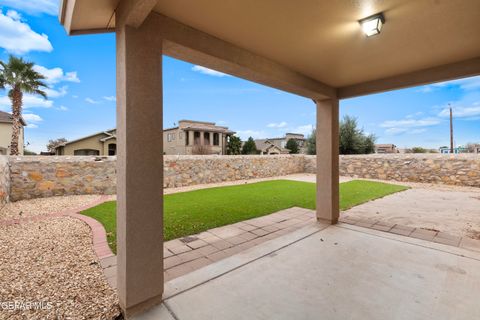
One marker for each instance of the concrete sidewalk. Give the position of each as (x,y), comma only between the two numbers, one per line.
(331,272)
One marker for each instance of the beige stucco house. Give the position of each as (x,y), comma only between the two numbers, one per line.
(274,146)
(102,143)
(6,133)
(196,137)
(386,148)
(189,137)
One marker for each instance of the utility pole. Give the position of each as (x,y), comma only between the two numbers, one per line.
(451,130)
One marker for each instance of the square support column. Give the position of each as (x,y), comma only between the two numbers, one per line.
(327,145)
(139,170)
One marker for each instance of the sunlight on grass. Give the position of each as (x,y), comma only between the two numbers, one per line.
(192,212)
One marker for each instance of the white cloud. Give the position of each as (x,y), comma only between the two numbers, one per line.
(62,108)
(17,37)
(56,75)
(209,72)
(461,112)
(282,124)
(14,15)
(245,134)
(31,117)
(74,96)
(305,129)
(32,120)
(29,101)
(464,84)
(91,101)
(53,93)
(110,98)
(33,7)
(410,123)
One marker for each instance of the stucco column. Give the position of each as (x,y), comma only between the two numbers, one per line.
(191,138)
(327,144)
(202,138)
(139,170)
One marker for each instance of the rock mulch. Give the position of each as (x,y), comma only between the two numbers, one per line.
(44,206)
(52,262)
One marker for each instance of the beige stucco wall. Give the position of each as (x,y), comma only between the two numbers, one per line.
(6,137)
(88,143)
(105,145)
(178,147)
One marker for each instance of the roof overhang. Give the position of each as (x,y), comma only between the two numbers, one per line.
(422,41)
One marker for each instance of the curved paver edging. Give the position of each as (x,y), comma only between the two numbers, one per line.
(99,235)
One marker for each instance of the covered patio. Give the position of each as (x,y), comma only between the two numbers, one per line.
(315,49)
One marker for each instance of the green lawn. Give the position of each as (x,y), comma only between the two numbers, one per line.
(192,212)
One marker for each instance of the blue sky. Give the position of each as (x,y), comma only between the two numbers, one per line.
(81,76)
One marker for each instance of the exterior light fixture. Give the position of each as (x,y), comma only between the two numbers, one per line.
(373,24)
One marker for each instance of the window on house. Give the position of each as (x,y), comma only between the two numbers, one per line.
(206,138)
(112,149)
(170,137)
(86,152)
(196,138)
(187,138)
(216,139)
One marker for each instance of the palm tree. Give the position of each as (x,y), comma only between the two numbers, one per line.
(19,76)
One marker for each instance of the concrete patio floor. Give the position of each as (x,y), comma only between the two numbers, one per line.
(331,272)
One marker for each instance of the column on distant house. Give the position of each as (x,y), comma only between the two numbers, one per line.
(202,140)
(192,138)
(327,145)
(211,138)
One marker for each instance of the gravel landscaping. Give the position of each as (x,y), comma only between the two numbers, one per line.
(44,206)
(52,262)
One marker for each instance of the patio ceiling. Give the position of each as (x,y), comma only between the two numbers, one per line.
(421,42)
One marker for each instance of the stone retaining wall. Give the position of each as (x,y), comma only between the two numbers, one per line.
(191,170)
(34,177)
(37,177)
(461,170)
(4,180)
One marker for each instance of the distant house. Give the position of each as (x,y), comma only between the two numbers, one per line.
(6,121)
(102,143)
(196,137)
(277,145)
(456,150)
(386,148)
(189,137)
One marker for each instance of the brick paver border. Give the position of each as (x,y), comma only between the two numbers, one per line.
(419,233)
(99,235)
(189,253)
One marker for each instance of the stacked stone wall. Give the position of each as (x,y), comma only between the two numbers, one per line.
(34,177)
(4,181)
(460,170)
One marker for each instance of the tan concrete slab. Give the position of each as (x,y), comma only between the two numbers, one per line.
(351,274)
(453,210)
